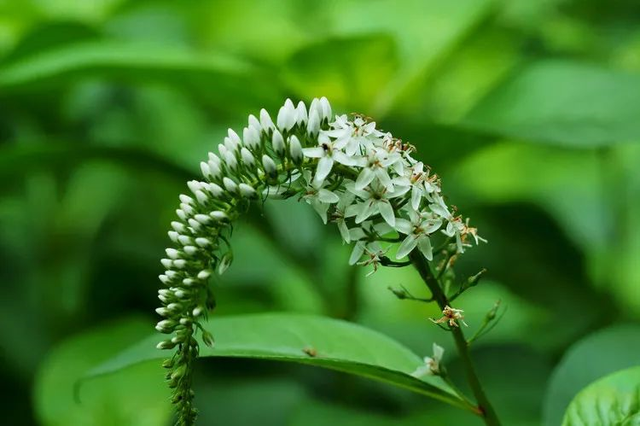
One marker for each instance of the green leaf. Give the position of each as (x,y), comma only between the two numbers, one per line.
(214,77)
(304,339)
(562,102)
(613,400)
(135,397)
(594,357)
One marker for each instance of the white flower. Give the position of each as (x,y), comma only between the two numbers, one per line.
(417,230)
(319,198)
(375,253)
(375,199)
(378,161)
(356,137)
(431,365)
(328,154)
(338,215)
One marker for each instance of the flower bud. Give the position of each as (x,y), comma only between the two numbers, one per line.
(180,263)
(167,263)
(225,262)
(163,278)
(205,169)
(204,274)
(186,199)
(230,160)
(233,136)
(173,236)
(313,127)
(301,113)
(247,191)
(194,224)
(269,165)
(214,168)
(172,253)
(190,250)
(202,218)
(207,338)
(251,137)
(194,185)
(215,190)
(326,108)
(265,120)
(185,240)
(189,282)
(166,344)
(187,209)
(286,116)
(178,227)
(230,185)
(174,307)
(247,157)
(202,242)
(197,311)
(163,312)
(219,215)
(201,197)
(253,122)
(277,142)
(295,149)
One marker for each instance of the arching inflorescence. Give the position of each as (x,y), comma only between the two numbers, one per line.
(360,178)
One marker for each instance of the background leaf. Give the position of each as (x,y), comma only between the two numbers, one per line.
(614,399)
(562,102)
(593,357)
(135,397)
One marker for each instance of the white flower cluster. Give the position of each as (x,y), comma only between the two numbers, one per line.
(353,174)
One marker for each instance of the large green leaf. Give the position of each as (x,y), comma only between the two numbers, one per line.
(594,357)
(614,400)
(305,339)
(562,102)
(213,77)
(136,397)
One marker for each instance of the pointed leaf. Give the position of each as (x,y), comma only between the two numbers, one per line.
(304,339)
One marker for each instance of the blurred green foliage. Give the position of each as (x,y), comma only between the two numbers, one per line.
(530,111)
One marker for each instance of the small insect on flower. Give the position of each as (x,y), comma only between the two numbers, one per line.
(451,316)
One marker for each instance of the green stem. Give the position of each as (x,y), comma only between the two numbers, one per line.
(486,410)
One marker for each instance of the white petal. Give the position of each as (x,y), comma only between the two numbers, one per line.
(317,152)
(422,371)
(356,254)
(324,168)
(404,226)
(416,197)
(344,231)
(321,209)
(364,178)
(367,208)
(343,158)
(351,187)
(384,178)
(386,211)
(407,246)
(424,245)
(327,196)
(438,351)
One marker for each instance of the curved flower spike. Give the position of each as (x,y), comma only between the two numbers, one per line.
(350,172)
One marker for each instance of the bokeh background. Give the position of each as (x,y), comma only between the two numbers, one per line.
(529,110)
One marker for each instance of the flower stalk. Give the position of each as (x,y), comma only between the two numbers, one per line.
(485,409)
